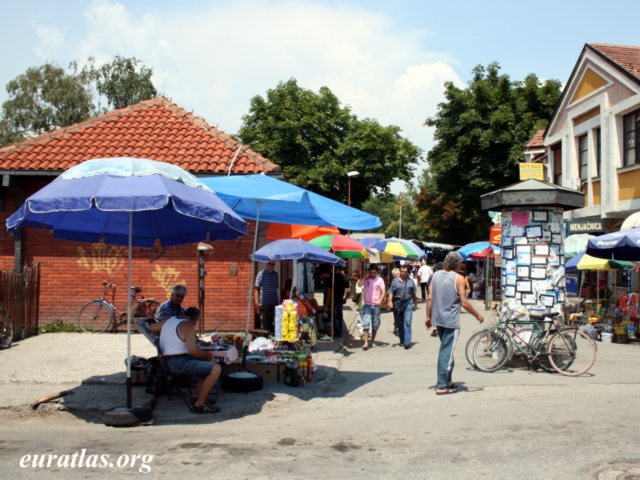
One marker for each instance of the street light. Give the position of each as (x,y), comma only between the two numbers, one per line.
(351,174)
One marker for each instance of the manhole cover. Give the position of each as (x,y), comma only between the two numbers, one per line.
(618,470)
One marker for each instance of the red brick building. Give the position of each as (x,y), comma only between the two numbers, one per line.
(72,272)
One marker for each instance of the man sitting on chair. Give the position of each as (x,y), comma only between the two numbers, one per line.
(183,356)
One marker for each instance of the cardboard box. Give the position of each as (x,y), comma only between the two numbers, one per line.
(271,372)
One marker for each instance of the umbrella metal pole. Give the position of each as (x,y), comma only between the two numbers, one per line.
(250,296)
(129,400)
(294,282)
(333,296)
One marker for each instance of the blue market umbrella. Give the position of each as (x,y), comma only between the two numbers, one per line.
(467,250)
(295,249)
(128,201)
(623,245)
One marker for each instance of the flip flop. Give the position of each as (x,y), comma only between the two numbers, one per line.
(205,409)
(453,386)
(445,391)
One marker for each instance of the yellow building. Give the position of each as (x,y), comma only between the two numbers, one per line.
(592,142)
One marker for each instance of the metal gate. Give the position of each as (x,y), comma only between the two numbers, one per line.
(19,296)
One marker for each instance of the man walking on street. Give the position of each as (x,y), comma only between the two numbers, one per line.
(424,277)
(446,295)
(265,296)
(373,294)
(403,300)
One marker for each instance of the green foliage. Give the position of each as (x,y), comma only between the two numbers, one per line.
(47,97)
(59,326)
(43,99)
(388,208)
(480,135)
(123,82)
(316,141)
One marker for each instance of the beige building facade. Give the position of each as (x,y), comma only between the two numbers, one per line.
(592,142)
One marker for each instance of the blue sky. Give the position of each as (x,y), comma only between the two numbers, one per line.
(386,59)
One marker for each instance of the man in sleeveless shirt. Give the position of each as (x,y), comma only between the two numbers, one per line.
(447,294)
(183,356)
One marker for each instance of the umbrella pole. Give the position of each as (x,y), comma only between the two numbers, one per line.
(333,295)
(294,282)
(250,296)
(129,400)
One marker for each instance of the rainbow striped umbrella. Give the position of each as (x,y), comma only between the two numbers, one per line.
(341,246)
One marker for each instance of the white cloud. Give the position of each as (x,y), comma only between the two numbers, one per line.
(50,40)
(214,60)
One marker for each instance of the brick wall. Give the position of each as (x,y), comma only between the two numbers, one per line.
(72,272)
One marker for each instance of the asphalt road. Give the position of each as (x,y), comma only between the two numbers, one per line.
(377,417)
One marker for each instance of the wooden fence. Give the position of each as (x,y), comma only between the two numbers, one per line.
(19,296)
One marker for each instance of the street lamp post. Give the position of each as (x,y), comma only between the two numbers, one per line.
(351,174)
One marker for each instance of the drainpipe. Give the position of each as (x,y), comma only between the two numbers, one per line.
(234,160)
(18,193)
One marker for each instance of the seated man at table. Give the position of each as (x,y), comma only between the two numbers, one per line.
(170,308)
(183,356)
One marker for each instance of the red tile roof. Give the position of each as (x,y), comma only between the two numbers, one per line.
(155,129)
(536,140)
(628,57)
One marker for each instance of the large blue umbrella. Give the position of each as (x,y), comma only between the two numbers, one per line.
(267,199)
(295,249)
(128,201)
(623,245)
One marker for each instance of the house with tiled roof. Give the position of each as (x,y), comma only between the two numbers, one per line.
(534,150)
(591,142)
(72,272)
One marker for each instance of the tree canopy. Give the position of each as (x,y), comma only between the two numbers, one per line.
(47,97)
(480,132)
(316,141)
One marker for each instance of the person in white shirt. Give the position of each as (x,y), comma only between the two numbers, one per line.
(424,275)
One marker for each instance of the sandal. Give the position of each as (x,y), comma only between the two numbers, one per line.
(365,348)
(453,386)
(445,391)
(205,409)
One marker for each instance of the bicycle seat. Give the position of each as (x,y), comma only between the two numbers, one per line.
(136,289)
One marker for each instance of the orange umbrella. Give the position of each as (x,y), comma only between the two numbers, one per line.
(277,231)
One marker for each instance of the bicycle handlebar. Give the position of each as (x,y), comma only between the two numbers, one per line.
(113,286)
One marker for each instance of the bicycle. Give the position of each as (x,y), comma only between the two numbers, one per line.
(99,314)
(6,329)
(569,350)
(500,312)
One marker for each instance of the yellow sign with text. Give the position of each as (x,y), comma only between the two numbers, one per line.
(532,170)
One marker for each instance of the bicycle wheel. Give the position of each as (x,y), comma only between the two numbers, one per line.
(95,316)
(468,350)
(490,352)
(6,329)
(571,352)
(145,308)
(540,346)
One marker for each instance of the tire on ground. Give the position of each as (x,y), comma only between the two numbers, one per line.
(241,382)
(123,417)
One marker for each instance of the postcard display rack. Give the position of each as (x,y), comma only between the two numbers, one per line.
(533,258)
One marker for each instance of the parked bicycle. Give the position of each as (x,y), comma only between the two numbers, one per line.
(101,314)
(6,329)
(545,343)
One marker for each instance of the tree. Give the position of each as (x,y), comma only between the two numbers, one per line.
(316,141)
(390,208)
(46,98)
(41,100)
(480,132)
(123,82)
